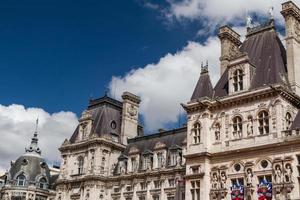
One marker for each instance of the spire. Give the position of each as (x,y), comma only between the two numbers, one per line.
(204,87)
(33,148)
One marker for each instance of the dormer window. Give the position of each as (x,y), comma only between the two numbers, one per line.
(43,183)
(237,127)
(196,133)
(21,179)
(263,122)
(147,161)
(159,160)
(238,80)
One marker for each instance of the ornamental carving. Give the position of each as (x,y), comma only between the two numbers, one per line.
(132,111)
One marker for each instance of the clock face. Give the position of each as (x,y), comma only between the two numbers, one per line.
(113,125)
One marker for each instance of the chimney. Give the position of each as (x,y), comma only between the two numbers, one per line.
(291,14)
(230,42)
(130,115)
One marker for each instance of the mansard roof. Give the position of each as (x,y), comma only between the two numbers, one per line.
(204,87)
(267,53)
(103,111)
(147,143)
(296,122)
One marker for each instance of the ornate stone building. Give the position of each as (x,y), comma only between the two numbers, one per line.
(29,177)
(242,138)
(109,158)
(243,134)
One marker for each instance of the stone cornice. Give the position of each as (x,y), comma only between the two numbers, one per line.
(126,177)
(286,143)
(241,98)
(230,34)
(290,8)
(93,141)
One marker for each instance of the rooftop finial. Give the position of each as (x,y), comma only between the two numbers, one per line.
(36,125)
(249,21)
(271,13)
(34,141)
(204,68)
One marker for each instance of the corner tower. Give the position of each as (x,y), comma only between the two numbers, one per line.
(291,14)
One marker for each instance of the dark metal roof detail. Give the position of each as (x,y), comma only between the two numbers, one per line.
(267,53)
(147,143)
(204,87)
(296,122)
(31,166)
(104,111)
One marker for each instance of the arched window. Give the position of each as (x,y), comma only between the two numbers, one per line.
(21,179)
(288,121)
(197,133)
(263,122)
(80,165)
(237,127)
(238,80)
(43,183)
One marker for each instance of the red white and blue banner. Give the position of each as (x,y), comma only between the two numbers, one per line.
(264,190)
(237,192)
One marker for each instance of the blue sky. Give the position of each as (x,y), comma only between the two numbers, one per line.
(56,54)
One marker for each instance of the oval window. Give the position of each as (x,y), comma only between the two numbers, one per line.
(113,125)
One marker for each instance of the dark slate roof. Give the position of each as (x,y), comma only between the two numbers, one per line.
(32,169)
(204,87)
(296,122)
(267,53)
(146,143)
(103,110)
(53,179)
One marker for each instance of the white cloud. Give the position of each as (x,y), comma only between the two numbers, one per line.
(164,85)
(220,12)
(17,125)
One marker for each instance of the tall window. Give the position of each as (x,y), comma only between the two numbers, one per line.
(288,121)
(21,179)
(147,162)
(159,160)
(237,127)
(197,133)
(43,183)
(195,190)
(80,165)
(173,158)
(133,164)
(238,80)
(263,122)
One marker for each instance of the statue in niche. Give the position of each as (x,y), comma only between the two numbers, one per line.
(250,126)
(178,159)
(278,174)
(215,181)
(288,173)
(249,177)
(218,132)
(223,180)
(122,168)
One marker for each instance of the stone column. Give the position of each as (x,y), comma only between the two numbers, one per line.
(230,42)
(291,14)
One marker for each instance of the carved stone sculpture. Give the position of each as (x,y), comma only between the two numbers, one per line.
(223,180)
(215,182)
(288,173)
(249,176)
(278,174)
